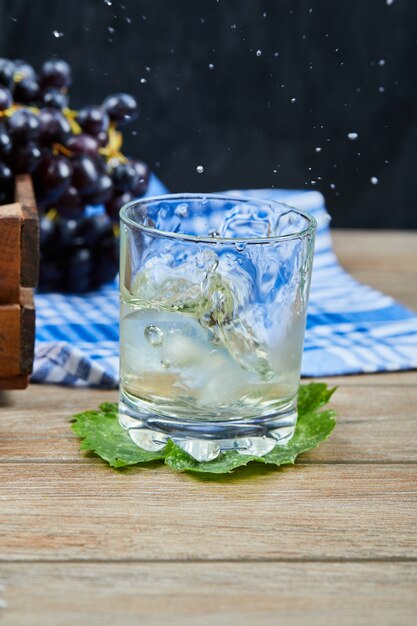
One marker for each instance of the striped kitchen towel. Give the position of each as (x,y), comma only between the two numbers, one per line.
(351,328)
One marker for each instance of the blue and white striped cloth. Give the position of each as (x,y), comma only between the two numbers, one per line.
(351,328)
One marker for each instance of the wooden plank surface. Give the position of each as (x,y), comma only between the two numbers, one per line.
(29,270)
(209,594)
(27,330)
(10,251)
(315,511)
(387,260)
(332,539)
(17,341)
(9,340)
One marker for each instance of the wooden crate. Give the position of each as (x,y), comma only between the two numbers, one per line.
(19,265)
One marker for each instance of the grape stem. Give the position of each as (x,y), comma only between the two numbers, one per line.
(58,148)
(18,77)
(9,112)
(112,150)
(71,115)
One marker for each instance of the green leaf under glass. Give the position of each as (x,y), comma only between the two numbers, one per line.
(101,433)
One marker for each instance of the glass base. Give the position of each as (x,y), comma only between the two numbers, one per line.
(205,440)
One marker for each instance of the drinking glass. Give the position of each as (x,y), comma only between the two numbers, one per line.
(214,291)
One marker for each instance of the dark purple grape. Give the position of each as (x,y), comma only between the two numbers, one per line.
(66,236)
(86,175)
(106,261)
(46,232)
(6,184)
(50,274)
(114,205)
(5,143)
(23,70)
(23,126)
(103,193)
(124,177)
(53,177)
(70,204)
(54,99)
(25,159)
(55,73)
(142,178)
(54,126)
(93,120)
(6,72)
(102,139)
(83,144)
(94,228)
(26,91)
(6,99)
(121,107)
(6,178)
(78,271)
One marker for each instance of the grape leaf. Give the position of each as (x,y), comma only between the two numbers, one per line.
(101,433)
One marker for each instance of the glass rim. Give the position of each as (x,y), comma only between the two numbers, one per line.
(301,234)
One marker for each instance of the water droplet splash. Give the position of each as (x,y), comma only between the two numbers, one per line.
(318,149)
(57,34)
(108,2)
(293,100)
(154,336)
(259,53)
(211,66)
(200,169)
(374,180)
(381,62)
(143,81)
(352,136)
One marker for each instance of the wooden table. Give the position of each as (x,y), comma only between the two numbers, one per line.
(329,541)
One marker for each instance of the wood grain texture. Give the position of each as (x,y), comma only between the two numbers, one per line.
(24,194)
(80,511)
(27,331)
(9,340)
(14,382)
(17,341)
(10,257)
(386,260)
(376,250)
(209,594)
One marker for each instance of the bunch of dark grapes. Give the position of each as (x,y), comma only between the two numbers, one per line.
(75,161)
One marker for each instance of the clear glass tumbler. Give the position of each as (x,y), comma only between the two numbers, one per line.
(214,292)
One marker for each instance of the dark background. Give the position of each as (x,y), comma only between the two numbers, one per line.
(349,64)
